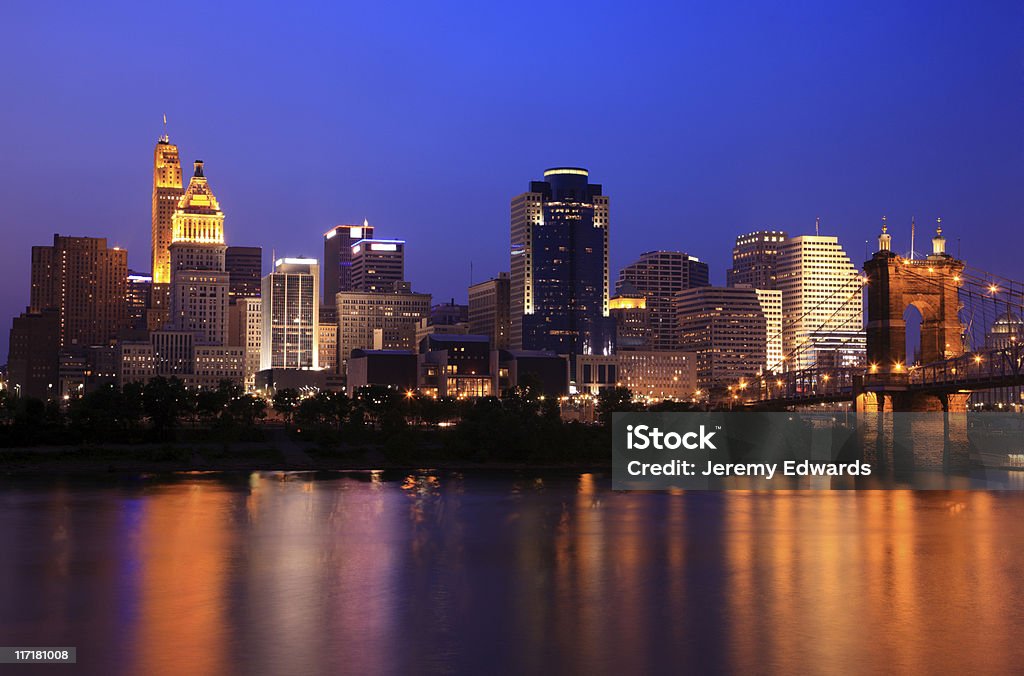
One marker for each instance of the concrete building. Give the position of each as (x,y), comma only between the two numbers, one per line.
(138,298)
(246,331)
(771,307)
(628,307)
(541,368)
(726,328)
(167,191)
(489,312)
(32,363)
(651,376)
(291,313)
(559,282)
(337,263)
(385,320)
(327,329)
(390,368)
(822,302)
(455,366)
(377,264)
(659,276)
(86,283)
(755,259)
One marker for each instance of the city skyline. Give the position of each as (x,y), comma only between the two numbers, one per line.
(890,113)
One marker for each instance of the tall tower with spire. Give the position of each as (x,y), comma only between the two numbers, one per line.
(199,281)
(166,193)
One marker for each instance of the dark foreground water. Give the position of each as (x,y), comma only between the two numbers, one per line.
(371,573)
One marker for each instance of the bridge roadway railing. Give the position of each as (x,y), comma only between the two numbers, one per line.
(811,384)
(998,367)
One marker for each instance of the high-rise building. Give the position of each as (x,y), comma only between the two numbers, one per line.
(246,330)
(377,264)
(489,312)
(167,192)
(771,306)
(337,270)
(291,312)
(370,320)
(86,283)
(199,282)
(138,293)
(822,304)
(632,318)
(559,285)
(659,276)
(244,265)
(755,259)
(726,328)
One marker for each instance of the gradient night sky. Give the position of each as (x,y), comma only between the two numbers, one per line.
(701,120)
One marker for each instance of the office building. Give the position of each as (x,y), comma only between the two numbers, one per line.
(377,264)
(771,307)
(755,259)
(385,320)
(726,329)
(455,366)
(244,265)
(291,313)
(86,283)
(659,276)
(822,303)
(650,376)
(199,283)
(489,313)
(327,328)
(138,294)
(559,283)
(628,307)
(33,359)
(337,263)
(167,191)
(246,331)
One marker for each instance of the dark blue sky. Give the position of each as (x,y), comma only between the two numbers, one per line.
(702,120)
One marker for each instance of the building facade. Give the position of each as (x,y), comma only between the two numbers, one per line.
(86,283)
(659,276)
(489,312)
(377,264)
(822,303)
(246,331)
(378,320)
(726,329)
(291,314)
(632,319)
(559,280)
(755,258)
(771,307)
(337,263)
(244,265)
(167,191)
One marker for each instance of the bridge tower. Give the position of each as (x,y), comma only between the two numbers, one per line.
(894,283)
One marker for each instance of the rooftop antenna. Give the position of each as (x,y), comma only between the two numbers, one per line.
(912,238)
(817,226)
(470,274)
(165,137)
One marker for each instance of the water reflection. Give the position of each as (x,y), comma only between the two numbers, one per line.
(371,573)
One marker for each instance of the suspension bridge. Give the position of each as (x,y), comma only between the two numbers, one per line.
(971,339)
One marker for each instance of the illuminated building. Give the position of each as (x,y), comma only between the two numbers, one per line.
(771,307)
(659,276)
(383,320)
(327,328)
(166,193)
(628,307)
(245,329)
(244,265)
(85,282)
(337,270)
(425,327)
(489,312)
(649,375)
(755,259)
(291,313)
(138,292)
(199,281)
(726,328)
(455,366)
(822,304)
(559,284)
(377,264)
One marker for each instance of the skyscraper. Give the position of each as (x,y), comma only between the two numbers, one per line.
(139,291)
(199,282)
(381,320)
(727,330)
(632,319)
(755,259)
(659,276)
(559,286)
(377,264)
(489,313)
(244,265)
(166,193)
(291,312)
(86,283)
(822,304)
(246,330)
(337,270)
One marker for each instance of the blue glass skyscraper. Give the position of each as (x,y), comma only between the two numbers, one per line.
(559,266)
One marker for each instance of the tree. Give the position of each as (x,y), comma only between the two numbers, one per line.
(286,400)
(614,400)
(165,401)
